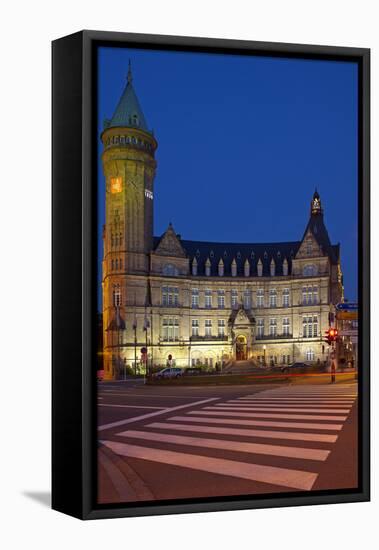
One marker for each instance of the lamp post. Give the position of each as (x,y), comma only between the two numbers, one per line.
(264,355)
(135,346)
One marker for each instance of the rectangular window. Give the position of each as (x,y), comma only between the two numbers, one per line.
(310,326)
(315,295)
(234,298)
(260,297)
(170,329)
(221,299)
(117,297)
(273,327)
(260,328)
(208,327)
(272,297)
(195,298)
(286,297)
(208,298)
(221,327)
(247,299)
(286,326)
(195,327)
(170,296)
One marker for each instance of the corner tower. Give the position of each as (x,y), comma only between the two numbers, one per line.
(129,168)
(129,165)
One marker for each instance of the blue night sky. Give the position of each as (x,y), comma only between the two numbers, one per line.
(242,144)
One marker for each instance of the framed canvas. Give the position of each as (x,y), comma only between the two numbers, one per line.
(210,275)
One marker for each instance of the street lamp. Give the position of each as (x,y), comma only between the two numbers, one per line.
(264,355)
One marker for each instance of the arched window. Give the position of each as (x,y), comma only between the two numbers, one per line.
(170,270)
(309,270)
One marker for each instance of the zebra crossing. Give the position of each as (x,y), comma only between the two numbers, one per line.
(279,436)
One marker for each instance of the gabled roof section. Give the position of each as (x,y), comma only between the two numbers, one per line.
(169,244)
(128,112)
(317,229)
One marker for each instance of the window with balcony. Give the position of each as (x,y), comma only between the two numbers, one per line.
(310,326)
(195,327)
(170,296)
(260,328)
(273,327)
(170,329)
(234,298)
(260,297)
(221,299)
(221,328)
(286,326)
(272,297)
(208,298)
(286,297)
(195,298)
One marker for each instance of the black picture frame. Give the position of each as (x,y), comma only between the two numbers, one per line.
(74,271)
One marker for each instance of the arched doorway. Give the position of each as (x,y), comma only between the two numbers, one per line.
(241,348)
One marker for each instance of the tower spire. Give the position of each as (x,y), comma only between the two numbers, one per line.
(130,75)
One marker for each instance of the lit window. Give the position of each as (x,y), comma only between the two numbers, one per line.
(170,296)
(286,326)
(170,329)
(117,299)
(116,184)
(310,326)
(260,328)
(195,298)
(195,327)
(234,298)
(260,297)
(273,327)
(272,297)
(310,355)
(221,327)
(286,297)
(208,327)
(247,299)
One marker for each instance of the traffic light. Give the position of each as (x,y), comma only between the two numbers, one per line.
(331,335)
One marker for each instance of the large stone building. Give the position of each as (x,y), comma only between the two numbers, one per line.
(202,302)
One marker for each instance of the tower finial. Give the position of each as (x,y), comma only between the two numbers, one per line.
(316,203)
(130,76)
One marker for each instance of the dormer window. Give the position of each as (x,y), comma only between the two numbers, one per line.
(234,268)
(211,255)
(208,267)
(260,268)
(246,268)
(272,268)
(194,267)
(221,268)
(135,120)
(285,267)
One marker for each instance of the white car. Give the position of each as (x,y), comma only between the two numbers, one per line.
(169,372)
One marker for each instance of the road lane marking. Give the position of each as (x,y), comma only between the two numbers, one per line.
(229,407)
(237,446)
(149,415)
(295,479)
(269,415)
(287,404)
(270,434)
(295,400)
(129,406)
(271,424)
(131,394)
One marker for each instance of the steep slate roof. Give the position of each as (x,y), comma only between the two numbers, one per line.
(317,227)
(127,107)
(240,252)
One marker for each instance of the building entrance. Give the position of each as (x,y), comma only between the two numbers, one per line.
(241,348)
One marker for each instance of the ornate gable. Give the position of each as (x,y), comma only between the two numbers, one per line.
(309,247)
(170,245)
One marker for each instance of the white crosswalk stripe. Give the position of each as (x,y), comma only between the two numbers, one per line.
(276,426)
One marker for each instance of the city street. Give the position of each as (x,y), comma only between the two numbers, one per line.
(162,442)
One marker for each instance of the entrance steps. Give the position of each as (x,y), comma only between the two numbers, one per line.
(240,367)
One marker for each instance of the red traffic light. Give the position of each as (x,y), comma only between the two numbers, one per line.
(331,335)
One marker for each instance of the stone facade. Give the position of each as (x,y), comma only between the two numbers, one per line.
(202,303)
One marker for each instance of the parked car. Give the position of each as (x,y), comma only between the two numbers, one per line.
(169,372)
(192,371)
(295,367)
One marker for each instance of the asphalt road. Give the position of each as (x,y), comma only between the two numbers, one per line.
(159,443)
